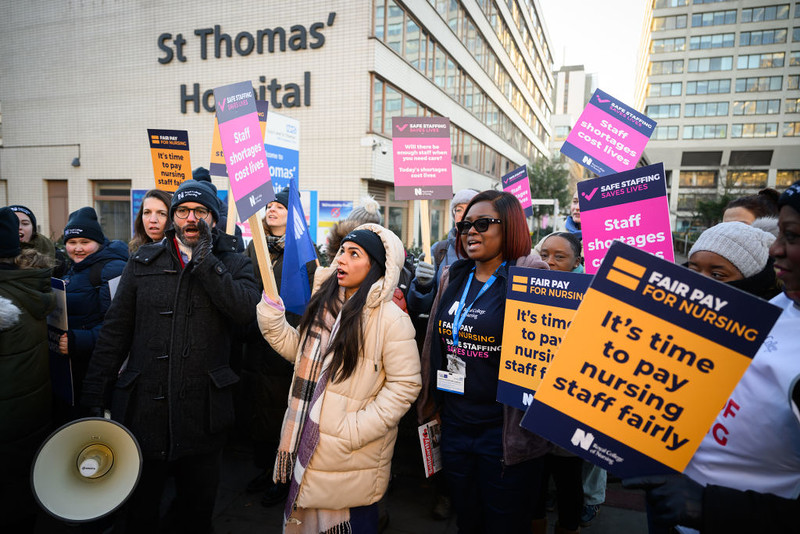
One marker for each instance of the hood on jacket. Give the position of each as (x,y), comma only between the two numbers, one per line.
(335,236)
(383,289)
(31,291)
(9,314)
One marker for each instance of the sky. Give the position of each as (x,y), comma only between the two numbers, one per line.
(602,35)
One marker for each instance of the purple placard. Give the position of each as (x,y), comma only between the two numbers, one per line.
(631,207)
(422,166)
(517,183)
(243,145)
(609,136)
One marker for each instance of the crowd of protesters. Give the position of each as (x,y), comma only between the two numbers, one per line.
(162,328)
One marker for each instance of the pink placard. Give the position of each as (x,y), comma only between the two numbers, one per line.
(421,155)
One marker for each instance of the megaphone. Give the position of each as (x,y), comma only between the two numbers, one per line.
(86,470)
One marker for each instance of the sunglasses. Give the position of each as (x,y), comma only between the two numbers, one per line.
(481,225)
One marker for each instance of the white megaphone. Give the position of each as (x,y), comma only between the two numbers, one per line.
(86,469)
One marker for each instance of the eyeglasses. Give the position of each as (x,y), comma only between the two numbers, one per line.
(481,225)
(182,212)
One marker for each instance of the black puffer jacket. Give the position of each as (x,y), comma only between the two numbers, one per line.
(175,394)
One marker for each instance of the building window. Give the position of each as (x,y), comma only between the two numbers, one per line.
(714,18)
(794,58)
(791,129)
(688,202)
(787,178)
(659,4)
(706,109)
(674,22)
(792,105)
(757,107)
(665,89)
(709,1)
(562,132)
(666,67)
(711,64)
(663,111)
(112,202)
(718,40)
(761,61)
(758,14)
(762,37)
(754,130)
(678,44)
(793,81)
(698,179)
(758,84)
(705,131)
(665,133)
(795,34)
(748,178)
(708,87)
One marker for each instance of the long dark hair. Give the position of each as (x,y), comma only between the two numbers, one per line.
(140,237)
(516,238)
(349,340)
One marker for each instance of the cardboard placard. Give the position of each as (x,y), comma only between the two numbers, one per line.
(652,354)
(540,305)
(169,150)
(609,136)
(517,183)
(631,207)
(216,165)
(421,153)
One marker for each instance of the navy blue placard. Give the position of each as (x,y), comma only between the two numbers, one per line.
(637,184)
(549,288)
(234,101)
(638,121)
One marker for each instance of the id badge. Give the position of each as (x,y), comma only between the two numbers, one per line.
(450,382)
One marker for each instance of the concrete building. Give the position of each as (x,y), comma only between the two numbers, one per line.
(82,81)
(722,79)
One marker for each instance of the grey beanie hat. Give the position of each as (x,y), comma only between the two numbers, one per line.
(461,197)
(367,211)
(745,246)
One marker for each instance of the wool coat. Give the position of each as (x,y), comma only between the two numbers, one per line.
(358,422)
(175,394)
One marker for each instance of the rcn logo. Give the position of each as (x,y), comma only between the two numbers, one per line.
(587,160)
(582,439)
(253,200)
(418,191)
(527,399)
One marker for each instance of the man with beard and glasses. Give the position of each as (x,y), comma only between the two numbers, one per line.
(174,312)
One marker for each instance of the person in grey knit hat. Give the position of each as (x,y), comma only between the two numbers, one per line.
(738,254)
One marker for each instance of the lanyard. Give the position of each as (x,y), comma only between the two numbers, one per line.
(463,310)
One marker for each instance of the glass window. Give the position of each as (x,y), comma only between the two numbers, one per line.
(666,67)
(758,84)
(793,81)
(760,61)
(698,178)
(665,89)
(794,59)
(748,178)
(678,44)
(393,108)
(112,202)
(706,109)
(665,132)
(705,131)
(792,105)
(754,130)
(711,64)
(714,18)
(394,27)
(762,13)
(669,23)
(718,40)
(787,178)
(380,11)
(791,129)
(669,3)
(663,111)
(412,43)
(757,107)
(377,105)
(708,87)
(762,37)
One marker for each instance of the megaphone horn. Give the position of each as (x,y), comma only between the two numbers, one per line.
(86,469)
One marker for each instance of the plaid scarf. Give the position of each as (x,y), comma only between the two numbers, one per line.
(300,432)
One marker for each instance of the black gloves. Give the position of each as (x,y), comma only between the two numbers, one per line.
(203,247)
(673,499)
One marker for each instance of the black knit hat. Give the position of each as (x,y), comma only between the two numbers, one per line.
(196,191)
(201,174)
(370,242)
(83,223)
(9,233)
(22,209)
(282,197)
(791,197)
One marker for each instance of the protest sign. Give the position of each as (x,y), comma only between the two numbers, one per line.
(243,147)
(630,206)
(330,212)
(421,151)
(169,150)
(282,143)
(652,354)
(517,183)
(430,435)
(137,197)
(60,364)
(217,163)
(609,136)
(540,305)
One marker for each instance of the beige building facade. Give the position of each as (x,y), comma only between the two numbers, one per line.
(83,81)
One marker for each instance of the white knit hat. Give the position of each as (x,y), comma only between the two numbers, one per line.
(461,197)
(745,246)
(367,211)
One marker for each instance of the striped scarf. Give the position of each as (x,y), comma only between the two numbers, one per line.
(300,433)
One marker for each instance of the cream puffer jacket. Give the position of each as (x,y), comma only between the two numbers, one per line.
(358,424)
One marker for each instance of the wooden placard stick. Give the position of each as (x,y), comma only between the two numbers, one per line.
(264,263)
(230,227)
(425,226)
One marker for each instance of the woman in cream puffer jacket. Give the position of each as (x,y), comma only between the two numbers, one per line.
(350,466)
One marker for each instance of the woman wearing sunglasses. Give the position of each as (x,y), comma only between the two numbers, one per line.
(492,465)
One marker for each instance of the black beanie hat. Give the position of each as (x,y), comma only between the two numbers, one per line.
(791,197)
(282,197)
(204,193)
(29,213)
(370,242)
(201,174)
(9,233)
(83,223)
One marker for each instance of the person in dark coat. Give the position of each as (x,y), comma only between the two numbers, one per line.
(94,260)
(25,395)
(266,376)
(173,312)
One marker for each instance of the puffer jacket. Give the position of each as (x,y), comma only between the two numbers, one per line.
(87,305)
(518,443)
(176,393)
(358,423)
